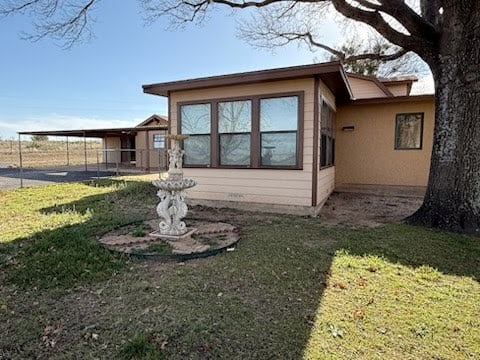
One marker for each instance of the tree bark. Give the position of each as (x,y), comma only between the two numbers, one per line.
(452,200)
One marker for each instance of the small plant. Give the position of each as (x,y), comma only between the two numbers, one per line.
(159,248)
(139,231)
(140,347)
(420,331)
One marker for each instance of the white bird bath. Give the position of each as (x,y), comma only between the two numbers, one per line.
(172,207)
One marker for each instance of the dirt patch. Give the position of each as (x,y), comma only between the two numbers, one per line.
(351,209)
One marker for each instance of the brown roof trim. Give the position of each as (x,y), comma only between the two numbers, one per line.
(160,119)
(395,99)
(382,87)
(293,72)
(94,132)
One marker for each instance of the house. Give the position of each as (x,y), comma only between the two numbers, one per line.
(140,146)
(284,139)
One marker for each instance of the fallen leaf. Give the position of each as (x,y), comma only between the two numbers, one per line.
(359,313)
(362,282)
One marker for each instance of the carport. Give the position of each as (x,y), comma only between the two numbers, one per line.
(123,134)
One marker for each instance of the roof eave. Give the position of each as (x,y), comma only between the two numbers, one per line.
(296,72)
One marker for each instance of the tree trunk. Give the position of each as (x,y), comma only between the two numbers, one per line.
(452,200)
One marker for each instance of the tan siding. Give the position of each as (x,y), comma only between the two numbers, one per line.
(367,155)
(284,187)
(363,89)
(111,143)
(141,145)
(398,89)
(326,177)
(325,184)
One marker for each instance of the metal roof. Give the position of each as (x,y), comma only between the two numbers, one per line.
(95,133)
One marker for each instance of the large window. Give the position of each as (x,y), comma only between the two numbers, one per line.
(278,131)
(196,122)
(409,131)
(327,140)
(234,127)
(250,132)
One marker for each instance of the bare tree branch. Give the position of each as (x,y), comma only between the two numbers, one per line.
(65,21)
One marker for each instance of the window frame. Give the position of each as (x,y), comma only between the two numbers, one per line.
(422,117)
(255,133)
(330,136)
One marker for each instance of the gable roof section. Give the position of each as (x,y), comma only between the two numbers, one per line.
(154,120)
(331,73)
(374,80)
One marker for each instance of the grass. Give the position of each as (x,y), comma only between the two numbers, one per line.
(142,347)
(139,231)
(292,289)
(160,248)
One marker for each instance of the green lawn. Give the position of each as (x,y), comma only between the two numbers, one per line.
(293,288)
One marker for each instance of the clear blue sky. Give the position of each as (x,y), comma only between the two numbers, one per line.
(98,84)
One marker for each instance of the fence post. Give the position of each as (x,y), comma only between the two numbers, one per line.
(98,167)
(68,154)
(119,153)
(85,150)
(20,159)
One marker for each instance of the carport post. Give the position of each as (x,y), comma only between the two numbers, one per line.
(20,159)
(98,167)
(85,150)
(68,155)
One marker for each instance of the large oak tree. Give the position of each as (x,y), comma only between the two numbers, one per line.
(444,33)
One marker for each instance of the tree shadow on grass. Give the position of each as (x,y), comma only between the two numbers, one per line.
(69,255)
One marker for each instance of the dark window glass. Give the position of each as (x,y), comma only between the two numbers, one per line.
(158,141)
(234,127)
(196,122)
(279,114)
(323,151)
(408,131)
(235,149)
(278,131)
(327,139)
(197,150)
(234,116)
(196,119)
(279,149)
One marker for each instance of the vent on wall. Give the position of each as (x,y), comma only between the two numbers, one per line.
(348,128)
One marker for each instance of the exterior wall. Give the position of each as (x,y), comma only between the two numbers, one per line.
(398,89)
(326,177)
(363,89)
(325,184)
(148,158)
(111,156)
(262,186)
(367,155)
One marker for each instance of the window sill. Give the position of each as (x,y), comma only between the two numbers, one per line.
(241,167)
